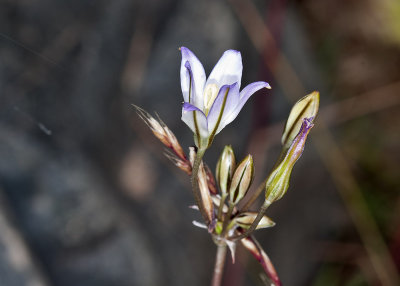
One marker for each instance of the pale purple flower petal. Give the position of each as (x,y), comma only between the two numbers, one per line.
(228,70)
(192,71)
(195,119)
(297,146)
(245,94)
(189,107)
(227,99)
(211,105)
(250,89)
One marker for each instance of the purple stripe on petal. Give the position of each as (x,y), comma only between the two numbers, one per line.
(185,82)
(192,69)
(297,146)
(192,87)
(187,65)
(226,101)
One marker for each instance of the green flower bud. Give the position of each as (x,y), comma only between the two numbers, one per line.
(218,227)
(241,180)
(225,167)
(278,181)
(306,107)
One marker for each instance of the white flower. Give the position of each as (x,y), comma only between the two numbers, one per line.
(210,105)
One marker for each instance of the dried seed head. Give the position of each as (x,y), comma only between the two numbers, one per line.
(153,124)
(175,146)
(306,107)
(225,167)
(278,181)
(241,180)
(161,131)
(184,165)
(245,220)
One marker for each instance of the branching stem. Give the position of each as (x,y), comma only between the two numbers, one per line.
(261,187)
(253,226)
(254,196)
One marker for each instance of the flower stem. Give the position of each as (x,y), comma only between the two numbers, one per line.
(227,219)
(219,265)
(221,206)
(195,183)
(254,196)
(261,187)
(253,226)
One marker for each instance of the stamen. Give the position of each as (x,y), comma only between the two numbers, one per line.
(210,93)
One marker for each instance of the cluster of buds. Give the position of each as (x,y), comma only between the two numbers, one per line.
(224,201)
(222,196)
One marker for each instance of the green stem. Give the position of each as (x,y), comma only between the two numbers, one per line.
(219,265)
(195,183)
(231,224)
(254,196)
(255,222)
(221,206)
(261,187)
(227,219)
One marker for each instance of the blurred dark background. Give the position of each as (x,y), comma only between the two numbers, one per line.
(86,195)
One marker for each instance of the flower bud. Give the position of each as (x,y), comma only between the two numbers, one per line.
(217,201)
(225,168)
(278,181)
(241,180)
(245,220)
(206,199)
(306,107)
(218,227)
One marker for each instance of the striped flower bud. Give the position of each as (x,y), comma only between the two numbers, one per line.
(245,220)
(217,202)
(306,107)
(225,167)
(278,181)
(241,180)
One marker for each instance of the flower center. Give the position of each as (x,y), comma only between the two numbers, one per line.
(210,93)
